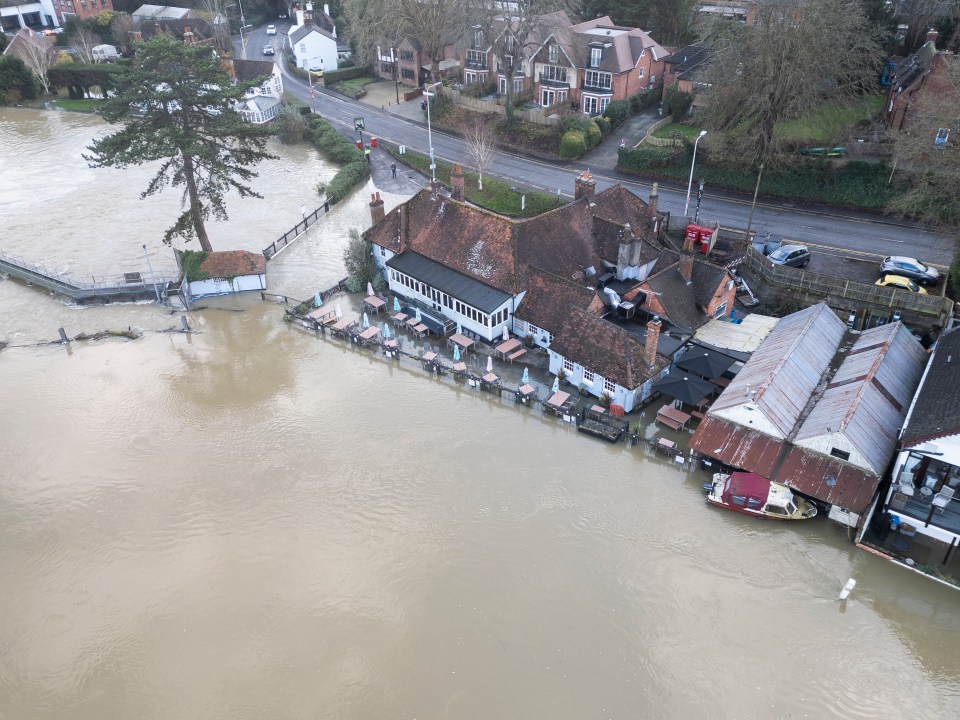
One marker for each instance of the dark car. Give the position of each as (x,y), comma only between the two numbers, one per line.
(909,267)
(790,255)
(268,49)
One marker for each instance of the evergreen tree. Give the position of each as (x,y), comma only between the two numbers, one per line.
(176,104)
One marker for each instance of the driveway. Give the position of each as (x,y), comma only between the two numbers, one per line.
(631,132)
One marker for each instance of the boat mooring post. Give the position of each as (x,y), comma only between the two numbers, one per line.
(63,336)
(847,589)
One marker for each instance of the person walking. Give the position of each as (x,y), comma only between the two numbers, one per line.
(393,169)
(366,152)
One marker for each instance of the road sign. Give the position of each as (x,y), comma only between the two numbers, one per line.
(358,124)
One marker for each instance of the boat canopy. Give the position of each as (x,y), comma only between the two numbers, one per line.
(746,485)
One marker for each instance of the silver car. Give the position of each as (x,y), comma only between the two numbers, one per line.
(790,255)
(909,267)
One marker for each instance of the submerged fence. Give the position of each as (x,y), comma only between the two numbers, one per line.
(273,249)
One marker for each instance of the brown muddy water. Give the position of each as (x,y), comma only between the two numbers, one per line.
(250,522)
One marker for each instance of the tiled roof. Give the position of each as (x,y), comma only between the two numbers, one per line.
(249,70)
(626,44)
(684,304)
(176,27)
(559,241)
(687,61)
(304,30)
(936,410)
(465,288)
(605,349)
(621,206)
(233,263)
(550,299)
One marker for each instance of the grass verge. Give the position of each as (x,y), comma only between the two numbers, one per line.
(85,105)
(353,86)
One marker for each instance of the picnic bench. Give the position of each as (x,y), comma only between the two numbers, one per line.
(526,393)
(506,347)
(459,340)
(374,303)
(672,417)
(400,319)
(516,354)
(368,335)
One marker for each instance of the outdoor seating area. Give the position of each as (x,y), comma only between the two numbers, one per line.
(374,303)
(672,417)
(560,403)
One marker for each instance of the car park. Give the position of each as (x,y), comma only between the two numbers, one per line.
(268,50)
(271,29)
(910,268)
(790,256)
(901,283)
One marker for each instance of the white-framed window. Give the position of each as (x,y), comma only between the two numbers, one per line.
(532,329)
(553,53)
(508,61)
(303,47)
(609,386)
(477,58)
(554,73)
(603,104)
(596,79)
(721,310)
(478,38)
(591,105)
(640,74)
(567,365)
(595,56)
(588,377)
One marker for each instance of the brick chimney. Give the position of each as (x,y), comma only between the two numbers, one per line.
(584,186)
(402,219)
(308,14)
(932,35)
(654,199)
(376,208)
(188,38)
(650,344)
(456,183)
(686,260)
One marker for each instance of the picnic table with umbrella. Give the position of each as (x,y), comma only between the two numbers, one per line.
(685,387)
(705,363)
(374,303)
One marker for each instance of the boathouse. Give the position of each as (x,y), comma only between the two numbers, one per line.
(221,273)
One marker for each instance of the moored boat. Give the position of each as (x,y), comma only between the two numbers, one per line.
(755,495)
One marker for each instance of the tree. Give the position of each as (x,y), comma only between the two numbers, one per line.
(16,80)
(433,24)
(37,54)
(921,15)
(373,24)
(935,166)
(176,103)
(802,55)
(122,30)
(360,265)
(83,43)
(215,13)
(481,146)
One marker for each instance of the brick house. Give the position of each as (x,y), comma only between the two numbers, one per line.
(683,67)
(923,72)
(741,11)
(594,63)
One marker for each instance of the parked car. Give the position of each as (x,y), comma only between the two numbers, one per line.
(271,29)
(790,255)
(268,49)
(911,268)
(901,283)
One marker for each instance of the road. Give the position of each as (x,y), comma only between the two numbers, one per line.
(865,234)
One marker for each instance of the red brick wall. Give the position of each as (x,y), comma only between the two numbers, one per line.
(82,8)
(722,295)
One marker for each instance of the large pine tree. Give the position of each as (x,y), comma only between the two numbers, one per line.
(176,106)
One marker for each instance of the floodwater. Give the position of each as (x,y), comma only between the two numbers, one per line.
(250,522)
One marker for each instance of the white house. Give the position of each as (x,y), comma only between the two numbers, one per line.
(221,273)
(166,12)
(33,15)
(313,40)
(262,102)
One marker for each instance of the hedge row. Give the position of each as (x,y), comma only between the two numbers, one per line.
(853,184)
(332,77)
(338,149)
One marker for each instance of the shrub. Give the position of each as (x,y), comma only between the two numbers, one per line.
(618,112)
(604,124)
(292,126)
(572,144)
(346,179)
(332,77)
(594,135)
(576,122)
(680,105)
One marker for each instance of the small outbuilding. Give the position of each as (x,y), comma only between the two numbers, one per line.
(221,273)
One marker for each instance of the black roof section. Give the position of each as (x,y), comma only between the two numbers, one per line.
(463,288)
(936,410)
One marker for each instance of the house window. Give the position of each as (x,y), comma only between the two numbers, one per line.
(588,377)
(721,310)
(603,104)
(553,73)
(567,366)
(595,79)
(406,74)
(406,55)
(595,55)
(478,38)
(303,47)
(476,58)
(553,53)
(508,42)
(640,75)
(609,386)
(841,454)
(591,105)
(508,61)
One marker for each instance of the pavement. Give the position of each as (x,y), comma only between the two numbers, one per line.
(605,155)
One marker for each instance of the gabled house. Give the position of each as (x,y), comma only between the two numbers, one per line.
(221,273)
(313,39)
(920,74)
(817,408)
(741,11)
(27,43)
(262,101)
(683,68)
(924,492)
(594,63)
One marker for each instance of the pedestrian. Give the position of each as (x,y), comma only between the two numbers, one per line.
(393,169)
(623,143)
(367,153)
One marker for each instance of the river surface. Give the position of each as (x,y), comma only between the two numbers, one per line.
(250,522)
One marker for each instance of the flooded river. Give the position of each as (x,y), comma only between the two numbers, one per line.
(249,522)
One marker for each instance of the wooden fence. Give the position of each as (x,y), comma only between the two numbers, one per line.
(296,231)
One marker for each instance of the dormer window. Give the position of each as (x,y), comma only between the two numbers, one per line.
(595,56)
(477,38)
(553,53)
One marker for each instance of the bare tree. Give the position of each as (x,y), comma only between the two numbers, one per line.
(122,28)
(83,42)
(37,54)
(373,24)
(800,56)
(215,13)
(921,15)
(433,24)
(928,148)
(481,146)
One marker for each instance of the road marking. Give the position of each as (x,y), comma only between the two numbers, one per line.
(845,252)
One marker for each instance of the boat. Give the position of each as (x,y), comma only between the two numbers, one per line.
(753,494)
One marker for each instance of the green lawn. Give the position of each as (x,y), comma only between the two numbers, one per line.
(353,86)
(687,131)
(496,195)
(85,105)
(826,126)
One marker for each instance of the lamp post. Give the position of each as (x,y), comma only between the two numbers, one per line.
(692,164)
(243,22)
(152,276)
(433,164)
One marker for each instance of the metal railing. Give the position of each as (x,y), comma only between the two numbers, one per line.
(273,249)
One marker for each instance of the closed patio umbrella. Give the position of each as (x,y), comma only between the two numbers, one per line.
(705,363)
(419,319)
(459,329)
(526,376)
(456,353)
(366,321)
(489,363)
(506,333)
(688,389)
(369,288)
(396,304)
(556,384)
(386,331)
(339,312)
(318,301)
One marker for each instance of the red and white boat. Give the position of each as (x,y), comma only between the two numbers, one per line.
(753,494)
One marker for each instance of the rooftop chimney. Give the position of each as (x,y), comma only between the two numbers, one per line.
(456,183)
(686,260)
(187,35)
(584,186)
(376,208)
(932,35)
(326,9)
(650,344)
(654,199)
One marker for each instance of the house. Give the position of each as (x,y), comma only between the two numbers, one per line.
(924,492)
(262,101)
(27,43)
(817,408)
(37,16)
(920,74)
(741,11)
(313,39)
(190,30)
(221,273)
(81,8)
(594,63)
(162,12)
(683,67)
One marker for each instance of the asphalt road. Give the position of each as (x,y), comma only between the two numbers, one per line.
(865,235)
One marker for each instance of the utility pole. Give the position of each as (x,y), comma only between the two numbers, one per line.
(756,189)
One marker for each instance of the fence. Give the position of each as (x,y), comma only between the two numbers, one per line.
(296,231)
(660,142)
(539,116)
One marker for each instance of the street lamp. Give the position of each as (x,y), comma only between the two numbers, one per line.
(310,71)
(692,164)
(433,164)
